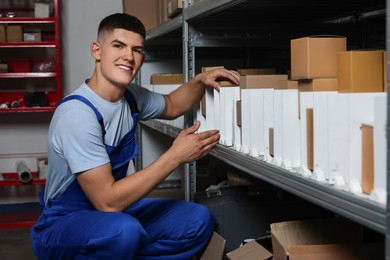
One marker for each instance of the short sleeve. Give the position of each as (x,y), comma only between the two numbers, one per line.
(150,104)
(78,137)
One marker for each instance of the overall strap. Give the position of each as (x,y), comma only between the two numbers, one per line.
(131,101)
(88,103)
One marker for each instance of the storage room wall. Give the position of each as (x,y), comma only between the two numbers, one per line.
(23,135)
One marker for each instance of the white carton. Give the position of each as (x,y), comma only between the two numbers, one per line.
(286,129)
(268,121)
(228,97)
(245,118)
(379,193)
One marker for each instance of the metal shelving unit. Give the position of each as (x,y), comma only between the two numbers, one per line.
(271,24)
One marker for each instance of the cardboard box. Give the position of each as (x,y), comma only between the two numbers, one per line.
(316,56)
(14,33)
(286,84)
(260,71)
(215,248)
(367,158)
(166,78)
(261,81)
(286,235)
(151,12)
(256,249)
(3,37)
(238,115)
(174,7)
(32,37)
(324,84)
(3,67)
(359,251)
(362,71)
(43,10)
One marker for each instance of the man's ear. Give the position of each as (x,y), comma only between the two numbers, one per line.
(95,50)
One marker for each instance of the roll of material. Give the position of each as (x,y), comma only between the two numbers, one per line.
(24,173)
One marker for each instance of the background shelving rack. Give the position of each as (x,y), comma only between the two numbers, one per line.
(250,24)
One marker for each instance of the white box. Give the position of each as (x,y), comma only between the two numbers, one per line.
(320,136)
(210,121)
(306,101)
(361,111)
(379,193)
(228,97)
(268,121)
(256,148)
(166,89)
(338,123)
(43,10)
(245,118)
(286,129)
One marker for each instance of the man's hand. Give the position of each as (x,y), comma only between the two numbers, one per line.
(190,146)
(210,78)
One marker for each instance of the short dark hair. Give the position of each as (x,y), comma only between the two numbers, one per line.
(122,21)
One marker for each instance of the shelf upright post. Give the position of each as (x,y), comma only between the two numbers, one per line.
(388,134)
(188,73)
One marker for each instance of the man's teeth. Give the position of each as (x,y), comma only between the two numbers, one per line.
(124,67)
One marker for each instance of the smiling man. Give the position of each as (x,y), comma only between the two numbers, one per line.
(91,207)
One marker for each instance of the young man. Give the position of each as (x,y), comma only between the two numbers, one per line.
(91,208)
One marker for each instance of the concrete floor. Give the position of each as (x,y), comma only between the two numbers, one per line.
(15,244)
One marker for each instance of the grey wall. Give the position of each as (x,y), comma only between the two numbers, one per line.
(80,20)
(24,135)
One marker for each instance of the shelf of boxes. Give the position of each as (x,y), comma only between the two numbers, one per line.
(30,56)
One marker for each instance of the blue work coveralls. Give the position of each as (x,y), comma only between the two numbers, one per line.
(152,228)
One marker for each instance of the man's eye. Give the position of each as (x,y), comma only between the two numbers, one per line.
(138,51)
(118,46)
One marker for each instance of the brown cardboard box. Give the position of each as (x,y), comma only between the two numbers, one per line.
(316,56)
(360,251)
(174,7)
(166,78)
(286,84)
(14,33)
(215,248)
(2,34)
(252,250)
(150,12)
(286,235)
(261,81)
(367,158)
(271,141)
(362,71)
(310,138)
(260,71)
(324,84)
(3,67)
(239,113)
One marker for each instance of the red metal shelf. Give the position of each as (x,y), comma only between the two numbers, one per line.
(11,179)
(27,109)
(45,44)
(14,84)
(27,75)
(26,20)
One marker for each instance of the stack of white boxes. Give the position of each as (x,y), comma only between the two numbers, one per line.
(311,125)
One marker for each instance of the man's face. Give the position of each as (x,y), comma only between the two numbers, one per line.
(120,55)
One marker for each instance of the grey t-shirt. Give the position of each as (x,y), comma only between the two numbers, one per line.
(75,140)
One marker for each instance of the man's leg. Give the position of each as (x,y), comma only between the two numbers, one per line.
(92,235)
(177,229)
